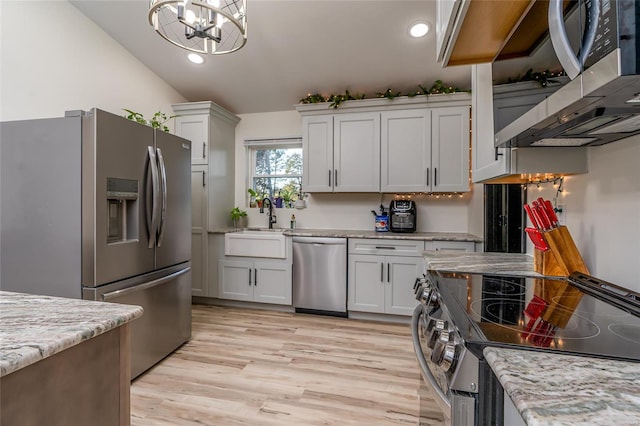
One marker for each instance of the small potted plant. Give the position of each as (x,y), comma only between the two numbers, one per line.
(288,195)
(238,217)
(253,195)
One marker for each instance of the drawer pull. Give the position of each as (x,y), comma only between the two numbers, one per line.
(385,248)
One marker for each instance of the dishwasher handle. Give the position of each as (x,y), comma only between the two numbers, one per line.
(320,240)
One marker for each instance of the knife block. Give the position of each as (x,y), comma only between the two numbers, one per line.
(562,258)
(545,263)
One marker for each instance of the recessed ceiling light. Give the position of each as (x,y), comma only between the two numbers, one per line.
(195,58)
(419,29)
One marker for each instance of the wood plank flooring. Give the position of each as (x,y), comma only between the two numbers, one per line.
(254,367)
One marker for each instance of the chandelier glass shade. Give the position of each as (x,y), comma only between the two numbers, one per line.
(208,26)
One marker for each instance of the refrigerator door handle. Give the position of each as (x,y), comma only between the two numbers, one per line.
(152,221)
(163,185)
(145,286)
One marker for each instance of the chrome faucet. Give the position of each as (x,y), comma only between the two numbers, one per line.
(272,218)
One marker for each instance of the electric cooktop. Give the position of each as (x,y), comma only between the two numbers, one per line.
(580,315)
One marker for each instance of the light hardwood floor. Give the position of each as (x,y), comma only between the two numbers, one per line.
(254,367)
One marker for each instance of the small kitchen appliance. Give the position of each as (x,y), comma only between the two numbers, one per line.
(402,216)
(461,314)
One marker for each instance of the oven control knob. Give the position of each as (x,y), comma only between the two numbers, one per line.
(449,357)
(419,283)
(434,329)
(424,294)
(438,349)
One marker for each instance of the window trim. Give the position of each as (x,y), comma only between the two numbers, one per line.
(252,145)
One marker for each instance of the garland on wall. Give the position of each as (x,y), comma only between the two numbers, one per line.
(437,88)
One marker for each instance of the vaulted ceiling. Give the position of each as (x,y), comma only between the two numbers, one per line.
(293,48)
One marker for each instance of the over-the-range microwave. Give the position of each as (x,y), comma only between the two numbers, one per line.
(597,43)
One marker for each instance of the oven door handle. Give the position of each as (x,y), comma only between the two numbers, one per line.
(420,355)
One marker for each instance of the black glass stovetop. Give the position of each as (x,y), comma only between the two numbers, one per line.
(541,314)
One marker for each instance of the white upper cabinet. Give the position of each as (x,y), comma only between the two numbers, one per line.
(356,152)
(341,153)
(425,150)
(317,158)
(406,150)
(450,149)
(490,163)
(196,129)
(377,145)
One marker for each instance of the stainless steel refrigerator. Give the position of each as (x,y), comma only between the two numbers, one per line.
(98,207)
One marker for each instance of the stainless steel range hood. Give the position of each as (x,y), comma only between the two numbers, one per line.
(599,106)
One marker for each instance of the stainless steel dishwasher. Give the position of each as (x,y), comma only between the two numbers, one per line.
(320,275)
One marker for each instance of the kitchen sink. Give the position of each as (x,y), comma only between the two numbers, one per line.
(256,242)
(259,230)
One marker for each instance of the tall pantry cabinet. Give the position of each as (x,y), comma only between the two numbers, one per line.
(211,130)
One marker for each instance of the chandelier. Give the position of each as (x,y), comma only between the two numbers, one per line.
(207,26)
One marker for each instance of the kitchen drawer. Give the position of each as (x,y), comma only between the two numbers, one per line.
(450,246)
(386,247)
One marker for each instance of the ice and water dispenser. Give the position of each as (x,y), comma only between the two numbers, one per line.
(122,209)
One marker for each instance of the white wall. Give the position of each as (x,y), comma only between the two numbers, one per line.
(55,59)
(345,211)
(602,211)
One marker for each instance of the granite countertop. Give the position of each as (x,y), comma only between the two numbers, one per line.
(33,328)
(351,233)
(482,263)
(556,389)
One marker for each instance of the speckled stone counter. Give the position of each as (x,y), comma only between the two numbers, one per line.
(556,389)
(350,233)
(483,263)
(33,328)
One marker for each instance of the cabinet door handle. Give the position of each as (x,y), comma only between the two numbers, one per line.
(204,150)
(388,273)
(204,180)
(329,177)
(249,277)
(381,272)
(497,154)
(435,176)
(428,173)
(335,178)
(255,277)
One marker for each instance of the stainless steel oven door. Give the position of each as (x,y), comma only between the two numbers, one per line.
(432,376)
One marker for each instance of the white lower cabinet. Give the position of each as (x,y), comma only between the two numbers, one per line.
(450,246)
(383,283)
(255,281)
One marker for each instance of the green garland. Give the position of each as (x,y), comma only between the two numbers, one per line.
(438,88)
(544,78)
(157,121)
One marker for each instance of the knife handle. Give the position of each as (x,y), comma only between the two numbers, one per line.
(540,213)
(527,208)
(547,211)
(552,213)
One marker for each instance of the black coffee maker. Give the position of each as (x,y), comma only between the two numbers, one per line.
(402,216)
